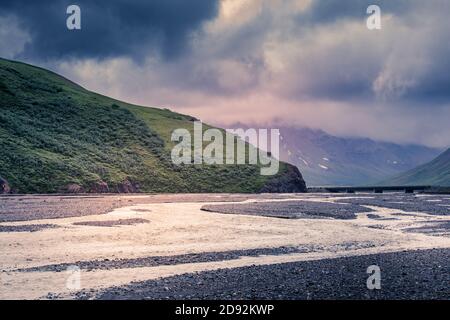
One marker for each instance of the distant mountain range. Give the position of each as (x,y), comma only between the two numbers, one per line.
(434,173)
(326,160)
(56,136)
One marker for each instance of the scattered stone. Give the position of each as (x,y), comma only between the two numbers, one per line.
(27,228)
(296,209)
(111,223)
(107,264)
(404,202)
(341,278)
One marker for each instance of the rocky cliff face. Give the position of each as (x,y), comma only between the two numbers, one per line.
(290,181)
(102,187)
(4,186)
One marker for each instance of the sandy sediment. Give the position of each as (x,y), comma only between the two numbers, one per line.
(180,238)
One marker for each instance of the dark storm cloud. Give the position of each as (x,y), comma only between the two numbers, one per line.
(435,83)
(324,11)
(406,60)
(310,63)
(109,28)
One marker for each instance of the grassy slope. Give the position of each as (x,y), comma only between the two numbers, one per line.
(435,173)
(54,133)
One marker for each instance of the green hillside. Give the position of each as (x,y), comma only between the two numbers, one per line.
(435,173)
(55,136)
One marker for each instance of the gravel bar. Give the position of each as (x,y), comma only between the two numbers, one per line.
(153,261)
(409,203)
(422,274)
(291,209)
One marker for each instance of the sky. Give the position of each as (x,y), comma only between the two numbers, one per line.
(266,63)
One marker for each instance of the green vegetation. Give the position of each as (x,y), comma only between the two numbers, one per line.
(56,136)
(434,173)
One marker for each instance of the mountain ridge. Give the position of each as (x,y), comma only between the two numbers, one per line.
(57,136)
(325,159)
(434,173)
(328,160)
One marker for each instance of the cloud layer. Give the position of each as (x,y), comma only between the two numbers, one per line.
(109,28)
(274,62)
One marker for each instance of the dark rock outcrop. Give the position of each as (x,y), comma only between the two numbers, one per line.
(287,182)
(99,187)
(72,188)
(4,186)
(128,187)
